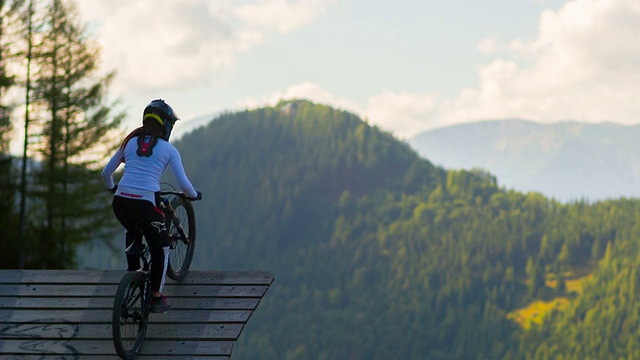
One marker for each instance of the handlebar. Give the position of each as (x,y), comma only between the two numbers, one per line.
(171,192)
(181,194)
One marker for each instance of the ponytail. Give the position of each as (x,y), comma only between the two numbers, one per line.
(145,145)
(136,132)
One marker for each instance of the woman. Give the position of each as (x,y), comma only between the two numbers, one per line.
(146,153)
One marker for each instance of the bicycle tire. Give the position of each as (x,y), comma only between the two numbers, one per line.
(130,314)
(181,249)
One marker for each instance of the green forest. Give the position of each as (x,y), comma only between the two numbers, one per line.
(379,254)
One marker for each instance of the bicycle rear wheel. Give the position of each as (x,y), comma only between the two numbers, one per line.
(130,314)
(181,248)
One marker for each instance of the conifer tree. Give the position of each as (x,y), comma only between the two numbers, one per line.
(28,21)
(9,17)
(75,119)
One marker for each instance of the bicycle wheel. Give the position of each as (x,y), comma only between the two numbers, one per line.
(130,314)
(181,248)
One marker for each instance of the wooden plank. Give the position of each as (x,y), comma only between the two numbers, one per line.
(228,278)
(25,303)
(58,290)
(114,276)
(161,347)
(70,290)
(157,348)
(194,332)
(78,332)
(111,357)
(46,316)
(244,291)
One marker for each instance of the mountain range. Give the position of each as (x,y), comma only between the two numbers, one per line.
(565,160)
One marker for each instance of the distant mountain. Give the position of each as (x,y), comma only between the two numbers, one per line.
(187,126)
(564,160)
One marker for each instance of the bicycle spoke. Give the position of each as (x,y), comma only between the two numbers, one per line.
(182,234)
(129,318)
(131,300)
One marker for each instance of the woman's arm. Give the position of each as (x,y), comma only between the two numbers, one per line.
(111,167)
(181,175)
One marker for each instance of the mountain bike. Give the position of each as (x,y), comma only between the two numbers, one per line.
(131,306)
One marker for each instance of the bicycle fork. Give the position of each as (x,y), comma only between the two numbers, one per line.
(168,209)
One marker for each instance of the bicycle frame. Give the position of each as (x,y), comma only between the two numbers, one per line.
(167,208)
(142,251)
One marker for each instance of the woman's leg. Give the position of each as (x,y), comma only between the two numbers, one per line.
(133,261)
(155,232)
(128,211)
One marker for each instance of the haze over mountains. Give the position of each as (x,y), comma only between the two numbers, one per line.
(565,160)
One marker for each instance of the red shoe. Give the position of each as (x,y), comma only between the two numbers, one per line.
(160,305)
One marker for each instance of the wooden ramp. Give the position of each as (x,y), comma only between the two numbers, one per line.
(66,314)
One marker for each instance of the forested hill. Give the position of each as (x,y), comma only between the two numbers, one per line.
(378,254)
(273,177)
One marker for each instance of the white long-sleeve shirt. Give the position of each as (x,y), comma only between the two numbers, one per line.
(142,174)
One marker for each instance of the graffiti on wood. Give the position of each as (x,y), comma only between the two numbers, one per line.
(48,337)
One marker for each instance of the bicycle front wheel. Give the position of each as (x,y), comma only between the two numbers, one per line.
(182,232)
(130,314)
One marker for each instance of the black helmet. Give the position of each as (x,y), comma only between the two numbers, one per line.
(162,113)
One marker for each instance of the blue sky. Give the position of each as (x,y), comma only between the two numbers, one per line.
(406,66)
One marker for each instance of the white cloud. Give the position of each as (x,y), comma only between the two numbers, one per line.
(306,90)
(401,113)
(281,15)
(161,43)
(584,64)
(488,45)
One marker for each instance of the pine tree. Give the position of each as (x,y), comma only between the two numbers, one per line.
(74,119)
(9,17)
(23,239)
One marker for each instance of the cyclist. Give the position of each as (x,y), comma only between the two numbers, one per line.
(146,153)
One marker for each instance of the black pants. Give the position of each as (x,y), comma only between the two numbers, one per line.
(140,217)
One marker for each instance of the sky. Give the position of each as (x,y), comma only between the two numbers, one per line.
(406,66)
